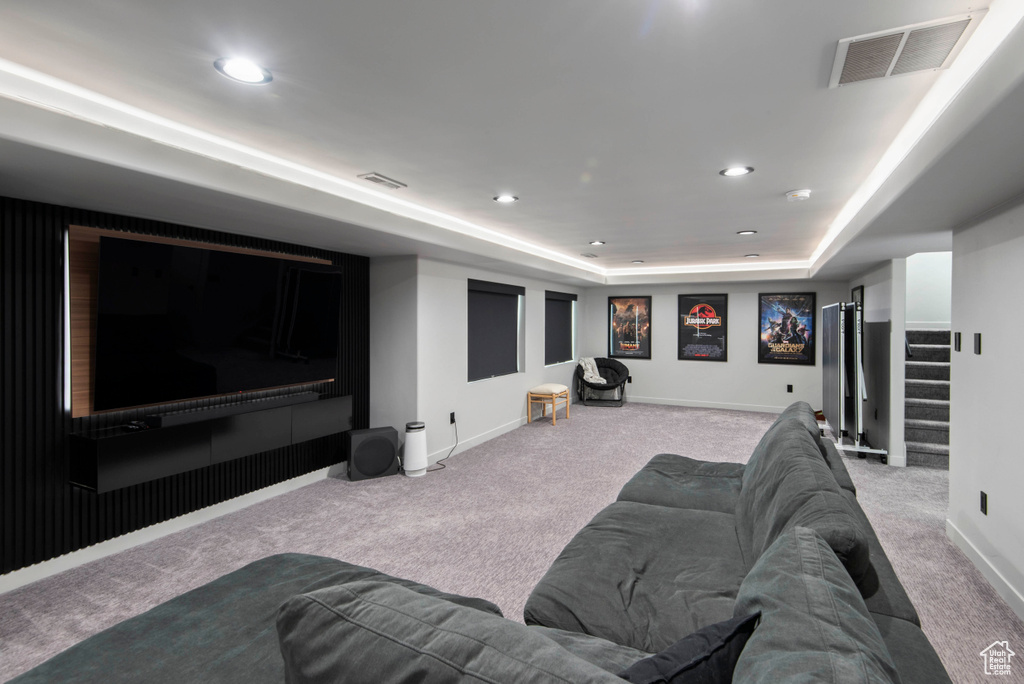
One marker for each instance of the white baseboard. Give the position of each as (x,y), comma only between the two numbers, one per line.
(705,404)
(33,573)
(1003,587)
(475,440)
(898,460)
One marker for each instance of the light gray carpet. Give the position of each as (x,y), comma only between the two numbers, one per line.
(491,523)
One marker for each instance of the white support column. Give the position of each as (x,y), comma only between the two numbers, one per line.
(897,364)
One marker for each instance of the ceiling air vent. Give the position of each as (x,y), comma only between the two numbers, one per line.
(380,179)
(921,47)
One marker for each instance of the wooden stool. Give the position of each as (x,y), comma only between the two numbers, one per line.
(546,394)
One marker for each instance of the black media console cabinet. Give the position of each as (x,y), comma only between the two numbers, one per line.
(117,457)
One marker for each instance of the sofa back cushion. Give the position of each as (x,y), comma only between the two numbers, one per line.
(834,459)
(814,625)
(799,415)
(789,485)
(376,632)
(802,413)
(882,590)
(785,424)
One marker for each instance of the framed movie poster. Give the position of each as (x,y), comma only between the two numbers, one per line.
(857,294)
(703,327)
(786,328)
(629,327)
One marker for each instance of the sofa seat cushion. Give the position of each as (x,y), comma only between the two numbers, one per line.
(221,631)
(374,631)
(682,482)
(642,576)
(814,624)
(882,591)
(914,657)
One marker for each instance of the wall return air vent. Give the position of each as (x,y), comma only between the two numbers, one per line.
(919,47)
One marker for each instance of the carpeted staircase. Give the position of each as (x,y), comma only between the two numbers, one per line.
(926,414)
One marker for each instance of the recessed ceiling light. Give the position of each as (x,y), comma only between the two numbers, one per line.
(751,256)
(597,242)
(243,71)
(506,199)
(746,232)
(736,171)
(638,261)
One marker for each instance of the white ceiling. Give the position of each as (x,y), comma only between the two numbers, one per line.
(610,119)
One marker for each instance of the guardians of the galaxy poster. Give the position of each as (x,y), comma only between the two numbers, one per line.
(786,329)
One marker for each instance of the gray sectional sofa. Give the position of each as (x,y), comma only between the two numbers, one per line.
(761,572)
(677,549)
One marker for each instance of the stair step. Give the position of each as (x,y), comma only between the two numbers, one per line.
(927,370)
(927,389)
(926,432)
(926,409)
(929,352)
(928,337)
(930,455)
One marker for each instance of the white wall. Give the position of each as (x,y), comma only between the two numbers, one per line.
(393,342)
(741,382)
(986,402)
(485,408)
(929,290)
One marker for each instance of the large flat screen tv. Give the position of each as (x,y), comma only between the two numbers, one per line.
(176,323)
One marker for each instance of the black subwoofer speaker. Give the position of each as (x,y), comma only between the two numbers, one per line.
(371,453)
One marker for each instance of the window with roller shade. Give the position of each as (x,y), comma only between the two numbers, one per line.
(494,329)
(559,327)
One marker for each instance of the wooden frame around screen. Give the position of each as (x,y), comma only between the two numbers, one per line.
(83,271)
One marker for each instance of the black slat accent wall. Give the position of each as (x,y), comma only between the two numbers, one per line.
(43,516)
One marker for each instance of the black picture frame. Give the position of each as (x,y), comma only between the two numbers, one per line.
(703,327)
(857,297)
(787,327)
(629,327)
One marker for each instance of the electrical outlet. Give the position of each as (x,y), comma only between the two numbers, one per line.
(984,503)
(789,388)
(451,418)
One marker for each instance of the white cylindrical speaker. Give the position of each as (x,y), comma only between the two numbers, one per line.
(415,461)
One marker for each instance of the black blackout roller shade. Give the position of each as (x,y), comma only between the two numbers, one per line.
(493,329)
(496,288)
(557,327)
